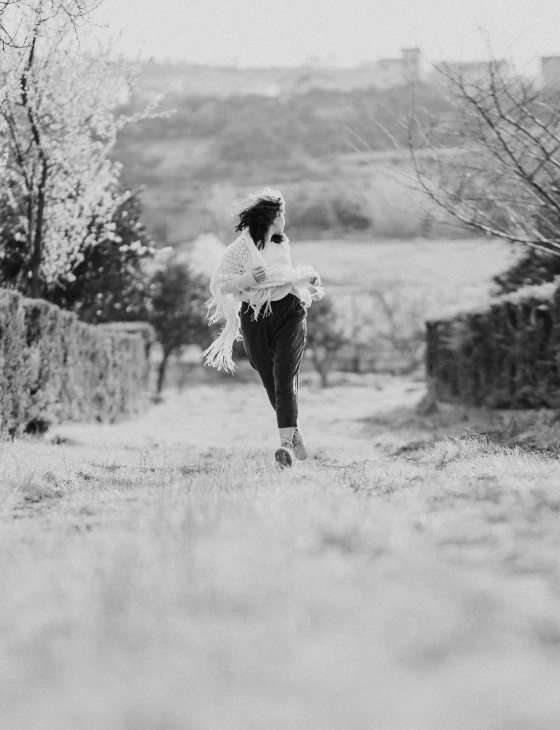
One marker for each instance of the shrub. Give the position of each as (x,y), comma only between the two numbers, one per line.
(534,267)
(504,357)
(109,284)
(350,214)
(55,368)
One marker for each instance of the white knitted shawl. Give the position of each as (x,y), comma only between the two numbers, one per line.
(239,257)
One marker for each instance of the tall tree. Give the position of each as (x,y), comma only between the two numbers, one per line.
(57,129)
(178,309)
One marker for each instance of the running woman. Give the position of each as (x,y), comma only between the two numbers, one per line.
(264,302)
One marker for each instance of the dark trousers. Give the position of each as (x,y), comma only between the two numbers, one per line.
(274,345)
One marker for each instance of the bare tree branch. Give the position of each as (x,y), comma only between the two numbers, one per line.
(506,182)
(17,16)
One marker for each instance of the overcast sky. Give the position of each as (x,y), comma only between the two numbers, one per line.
(341,32)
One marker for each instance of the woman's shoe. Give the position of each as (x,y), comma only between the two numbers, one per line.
(283,455)
(300,449)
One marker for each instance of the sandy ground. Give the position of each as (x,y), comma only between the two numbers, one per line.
(163,574)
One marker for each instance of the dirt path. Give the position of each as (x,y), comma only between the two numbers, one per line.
(162,573)
(236,416)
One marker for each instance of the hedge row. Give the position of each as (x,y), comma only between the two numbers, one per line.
(55,368)
(507,356)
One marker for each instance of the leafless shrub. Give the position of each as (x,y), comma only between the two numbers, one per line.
(325,337)
(385,329)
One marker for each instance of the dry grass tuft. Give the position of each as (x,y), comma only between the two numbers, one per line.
(32,488)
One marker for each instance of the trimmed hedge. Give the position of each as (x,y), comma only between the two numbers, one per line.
(506,356)
(55,368)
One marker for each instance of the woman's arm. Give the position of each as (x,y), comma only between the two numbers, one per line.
(240,283)
(246,280)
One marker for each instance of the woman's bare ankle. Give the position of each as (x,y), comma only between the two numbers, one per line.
(287,433)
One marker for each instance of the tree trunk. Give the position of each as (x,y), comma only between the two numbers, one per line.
(34,282)
(321,366)
(357,359)
(37,251)
(36,230)
(161,371)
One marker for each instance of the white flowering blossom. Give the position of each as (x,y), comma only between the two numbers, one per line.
(15,34)
(57,128)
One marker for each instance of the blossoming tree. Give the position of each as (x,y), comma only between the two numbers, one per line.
(13,31)
(57,128)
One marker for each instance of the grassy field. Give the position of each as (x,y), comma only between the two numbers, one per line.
(162,574)
(446,274)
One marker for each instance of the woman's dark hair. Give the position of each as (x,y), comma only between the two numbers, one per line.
(258,213)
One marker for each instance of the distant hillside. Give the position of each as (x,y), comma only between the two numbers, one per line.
(214,147)
(226,81)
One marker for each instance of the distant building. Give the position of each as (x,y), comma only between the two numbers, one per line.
(382,74)
(400,71)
